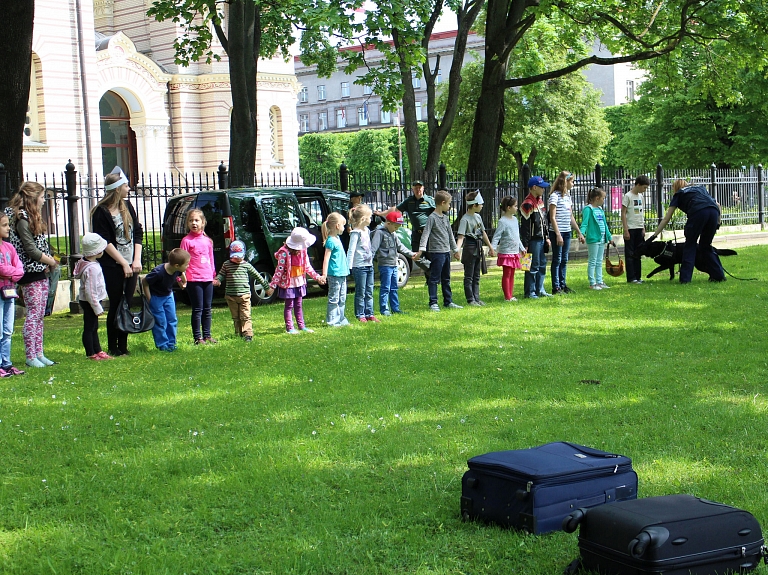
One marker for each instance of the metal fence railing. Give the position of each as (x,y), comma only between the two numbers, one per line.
(71,197)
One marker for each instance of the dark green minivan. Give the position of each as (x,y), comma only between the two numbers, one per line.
(262,218)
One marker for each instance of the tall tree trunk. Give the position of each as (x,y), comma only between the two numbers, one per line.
(15,67)
(410,124)
(243,48)
(504,27)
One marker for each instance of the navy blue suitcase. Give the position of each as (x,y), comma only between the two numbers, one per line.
(534,489)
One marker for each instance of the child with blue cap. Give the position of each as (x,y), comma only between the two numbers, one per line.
(237,274)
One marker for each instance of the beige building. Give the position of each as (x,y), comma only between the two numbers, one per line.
(106,90)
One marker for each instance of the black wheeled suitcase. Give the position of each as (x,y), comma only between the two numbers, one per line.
(673,535)
(534,489)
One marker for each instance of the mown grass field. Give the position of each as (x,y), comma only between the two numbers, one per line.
(342,451)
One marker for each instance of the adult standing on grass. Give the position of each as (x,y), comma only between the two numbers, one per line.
(633,223)
(115,220)
(561,222)
(28,236)
(418,206)
(534,235)
(703,221)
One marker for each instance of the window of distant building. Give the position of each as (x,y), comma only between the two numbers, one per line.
(439,77)
(386,117)
(304,122)
(345,89)
(362,116)
(304,95)
(416,80)
(322,121)
(418,111)
(630,90)
(118,140)
(321,92)
(32,121)
(367,90)
(341,118)
(276,135)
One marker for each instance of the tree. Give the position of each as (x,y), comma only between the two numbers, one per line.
(637,30)
(16,43)
(369,153)
(553,125)
(321,153)
(693,112)
(255,29)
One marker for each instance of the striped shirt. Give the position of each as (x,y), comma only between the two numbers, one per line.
(564,205)
(236,277)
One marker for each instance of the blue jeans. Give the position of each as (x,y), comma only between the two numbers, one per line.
(534,279)
(440,272)
(559,259)
(595,263)
(389,299)
(6,320)
(363,291)
(164,331)
(337,301)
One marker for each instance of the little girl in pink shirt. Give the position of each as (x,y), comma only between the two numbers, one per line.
(200,276)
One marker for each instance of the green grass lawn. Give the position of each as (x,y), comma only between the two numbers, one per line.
(342,451)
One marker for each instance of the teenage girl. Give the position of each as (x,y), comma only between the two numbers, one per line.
(594,226)
(360,260)
(27,234)
(561,222)
(11,271)
(506,241)
(335,270)
(292,265)
(200,275)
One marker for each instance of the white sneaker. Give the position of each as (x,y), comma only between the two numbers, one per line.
(595,287)
(434,307)
(603,286)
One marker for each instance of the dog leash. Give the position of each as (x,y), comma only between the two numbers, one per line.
(740,279)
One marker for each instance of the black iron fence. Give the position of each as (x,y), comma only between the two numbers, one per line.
(71,196)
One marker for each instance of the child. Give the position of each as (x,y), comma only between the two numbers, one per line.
(93,289)
(200,275)
(438,241)
(534,234)
(507,242)
(472,233)
(561,222)
(292,265)
(360,260)
(633,224)
(11,271)
(335,270)
(158,289)
(385,246)
(236,272)
(594,226)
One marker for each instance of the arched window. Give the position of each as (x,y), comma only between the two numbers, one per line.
(276,135)
(118,140)
(33,122)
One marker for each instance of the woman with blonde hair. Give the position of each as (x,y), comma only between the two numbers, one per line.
(28,236)
(703,222)
(114,219)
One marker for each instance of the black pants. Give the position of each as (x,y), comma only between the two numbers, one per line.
(117,285)
(472,264)
(201,296)
(90,330)
(634,265)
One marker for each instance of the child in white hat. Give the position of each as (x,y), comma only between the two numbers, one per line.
(292,265)
(92,291)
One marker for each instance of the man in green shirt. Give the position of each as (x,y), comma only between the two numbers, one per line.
(418,207)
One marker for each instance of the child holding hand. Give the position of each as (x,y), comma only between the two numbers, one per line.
(594,226)
(385,246)
(292,265)
(200,274)
(506,241)
(335,270)
(93,290)
(360,260)
(472,236)
(237,273)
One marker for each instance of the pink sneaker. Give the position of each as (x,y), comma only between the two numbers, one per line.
(96,357)
(104,355)
(362,319)
(4,373)
(373,318)
(14,371)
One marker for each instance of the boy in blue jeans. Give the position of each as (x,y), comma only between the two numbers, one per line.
(158,286)
(437,239)
(385,247)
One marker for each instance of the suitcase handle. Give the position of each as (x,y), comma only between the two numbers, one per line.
(592,452)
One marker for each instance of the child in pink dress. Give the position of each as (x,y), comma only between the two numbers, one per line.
(292,267)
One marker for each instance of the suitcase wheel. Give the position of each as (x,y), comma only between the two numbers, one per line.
(639,544)
(465,516)
(521,495)
(571,522)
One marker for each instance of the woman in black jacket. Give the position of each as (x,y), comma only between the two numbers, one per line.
(114,219)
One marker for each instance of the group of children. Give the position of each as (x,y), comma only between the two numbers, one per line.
(192,267)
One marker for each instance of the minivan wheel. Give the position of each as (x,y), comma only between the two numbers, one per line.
(258,293)
(403,270)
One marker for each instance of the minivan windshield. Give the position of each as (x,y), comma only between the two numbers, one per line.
(280,214)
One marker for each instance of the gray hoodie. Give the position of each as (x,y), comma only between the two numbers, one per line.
(385,246)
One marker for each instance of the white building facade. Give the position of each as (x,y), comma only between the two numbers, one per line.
(106,91)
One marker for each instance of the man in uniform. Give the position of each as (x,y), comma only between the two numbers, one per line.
(418,207)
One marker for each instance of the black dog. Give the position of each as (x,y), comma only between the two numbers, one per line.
(668,254)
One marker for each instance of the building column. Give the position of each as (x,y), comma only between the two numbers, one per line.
(152,148)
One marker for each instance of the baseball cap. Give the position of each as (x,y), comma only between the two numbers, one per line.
(537,181)
(395,217)
(417,183)
(237,249)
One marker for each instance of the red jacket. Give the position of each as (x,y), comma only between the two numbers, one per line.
(282,277)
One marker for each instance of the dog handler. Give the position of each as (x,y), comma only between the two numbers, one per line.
(703,221)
